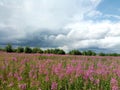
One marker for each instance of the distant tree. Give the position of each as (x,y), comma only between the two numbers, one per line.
(9,48)
(27,50)
(14,49)
(20,49)
(84,53)
(54,51)
(62,52)
(115,54)
(93,53)
(89,53)
(75,52)
(37,50)
(48,51)
(112,54)
(40,51)
(102,54)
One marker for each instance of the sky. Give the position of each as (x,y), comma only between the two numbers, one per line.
(65,24)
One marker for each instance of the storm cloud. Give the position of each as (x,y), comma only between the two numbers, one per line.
(64,24)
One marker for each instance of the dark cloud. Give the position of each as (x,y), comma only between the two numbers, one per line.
(58,24)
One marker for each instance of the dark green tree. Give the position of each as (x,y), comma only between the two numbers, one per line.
(20,49)
(84,53)
(89,53)
(62,52)
(37,50)
(75,52)
(48,51)
(27,50)
(40,51)
(102,54)
(9,48)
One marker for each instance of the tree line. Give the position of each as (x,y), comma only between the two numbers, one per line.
(28,49)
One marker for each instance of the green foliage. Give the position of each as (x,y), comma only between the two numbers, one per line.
(54,51)
(112,54)
(9,48)
(40,51)
(58,51)
(27,50)
(102,54)
(37,50)
(89,53)
(61,52)
(14,49)
(48,51)
(75,52)
(84,53)
(20,49)
(108,54)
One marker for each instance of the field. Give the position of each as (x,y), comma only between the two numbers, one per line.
(58,72)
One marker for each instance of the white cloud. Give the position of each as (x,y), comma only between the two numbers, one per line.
(88,34)
(50,14)
(59,23)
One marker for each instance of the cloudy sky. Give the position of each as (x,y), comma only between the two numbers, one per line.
(65,24)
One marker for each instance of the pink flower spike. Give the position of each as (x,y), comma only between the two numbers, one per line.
(22,86)
(54,86)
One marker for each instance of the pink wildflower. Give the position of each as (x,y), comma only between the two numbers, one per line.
(10,74)
(54,86)
(19,78)
(115,88)
(113,81)
(97,81)
(11,84)
(47,78)
(22,86)
(114,84)
(15,59)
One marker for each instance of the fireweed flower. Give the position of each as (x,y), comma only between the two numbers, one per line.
(10,74)
(114,84)
(97,81)
(11,84)
(113,81)
(22,86)
(54,86)
(115,88)
(47,78)
(19,78)
(31,74)
(70,69)
(15,59)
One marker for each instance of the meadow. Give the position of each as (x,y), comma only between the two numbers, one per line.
(58,72)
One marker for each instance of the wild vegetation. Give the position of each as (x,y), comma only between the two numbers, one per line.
(20,71)
(28,49)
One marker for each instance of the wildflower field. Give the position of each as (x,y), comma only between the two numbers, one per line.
(58,72)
